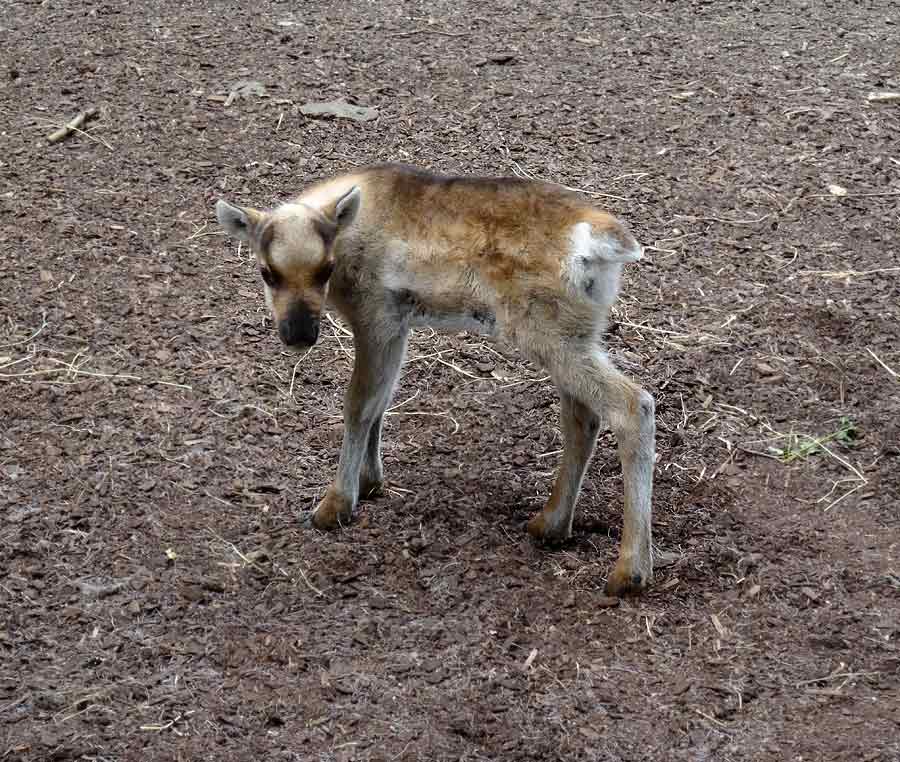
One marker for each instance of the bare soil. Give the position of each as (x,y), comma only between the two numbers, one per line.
(160,599)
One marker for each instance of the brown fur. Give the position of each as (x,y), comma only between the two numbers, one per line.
(527,262)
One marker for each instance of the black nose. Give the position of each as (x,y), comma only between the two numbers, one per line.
(299,326)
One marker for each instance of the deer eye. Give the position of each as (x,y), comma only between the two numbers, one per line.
(270,278)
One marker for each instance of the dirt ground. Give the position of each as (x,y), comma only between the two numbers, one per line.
(160,599)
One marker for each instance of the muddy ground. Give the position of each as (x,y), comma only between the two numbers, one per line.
(159,598)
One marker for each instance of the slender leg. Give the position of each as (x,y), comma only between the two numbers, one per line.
(631,414)
(375,371)
(580,427)
(371,478)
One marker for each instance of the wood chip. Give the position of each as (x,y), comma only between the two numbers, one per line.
(720,628)
(340,110)
(883,97)
(669,584)
(530,660)
(662,560)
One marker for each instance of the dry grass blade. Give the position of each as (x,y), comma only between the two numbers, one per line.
(717,623)
(881,362)
(836,674)
(711,719)
(460,370)
(73,371)
(294,371)
(160,728)
(518,171)
(842,274)
(798,447)
(33,336)
(413,32)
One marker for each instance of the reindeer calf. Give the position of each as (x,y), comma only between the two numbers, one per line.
(391,247)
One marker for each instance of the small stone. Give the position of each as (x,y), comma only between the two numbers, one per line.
(339,109)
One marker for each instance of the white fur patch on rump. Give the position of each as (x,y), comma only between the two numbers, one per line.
(590,245)
(594,264)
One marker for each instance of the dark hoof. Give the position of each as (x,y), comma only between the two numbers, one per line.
(332,512)
(622,583)
(544,533)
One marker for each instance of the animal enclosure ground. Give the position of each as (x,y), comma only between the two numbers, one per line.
(160,599)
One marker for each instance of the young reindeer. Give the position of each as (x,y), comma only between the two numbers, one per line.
(391,247)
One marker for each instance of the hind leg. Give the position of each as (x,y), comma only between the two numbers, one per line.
(630,410)
(580,427)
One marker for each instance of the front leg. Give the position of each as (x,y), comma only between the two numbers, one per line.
(375,370)
(371,478)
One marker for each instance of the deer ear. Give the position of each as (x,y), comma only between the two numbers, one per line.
(326,228)
(346,207)
(236,220)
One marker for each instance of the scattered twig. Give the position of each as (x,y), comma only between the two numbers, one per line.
(520,172)
(692,218)
(882,364)
(73,371)
(14,704)
(855,195)
(71,126)
(401,404)
(540,380)
(705,716)
(839,274)
(338,330)
(834,675)
(845,495)
(460,370)
(159,728)
(885,97)
(425,30)
(445,414)
(33,336)
(309,584)
(294,371)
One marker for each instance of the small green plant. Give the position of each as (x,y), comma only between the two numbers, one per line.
(800,446)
